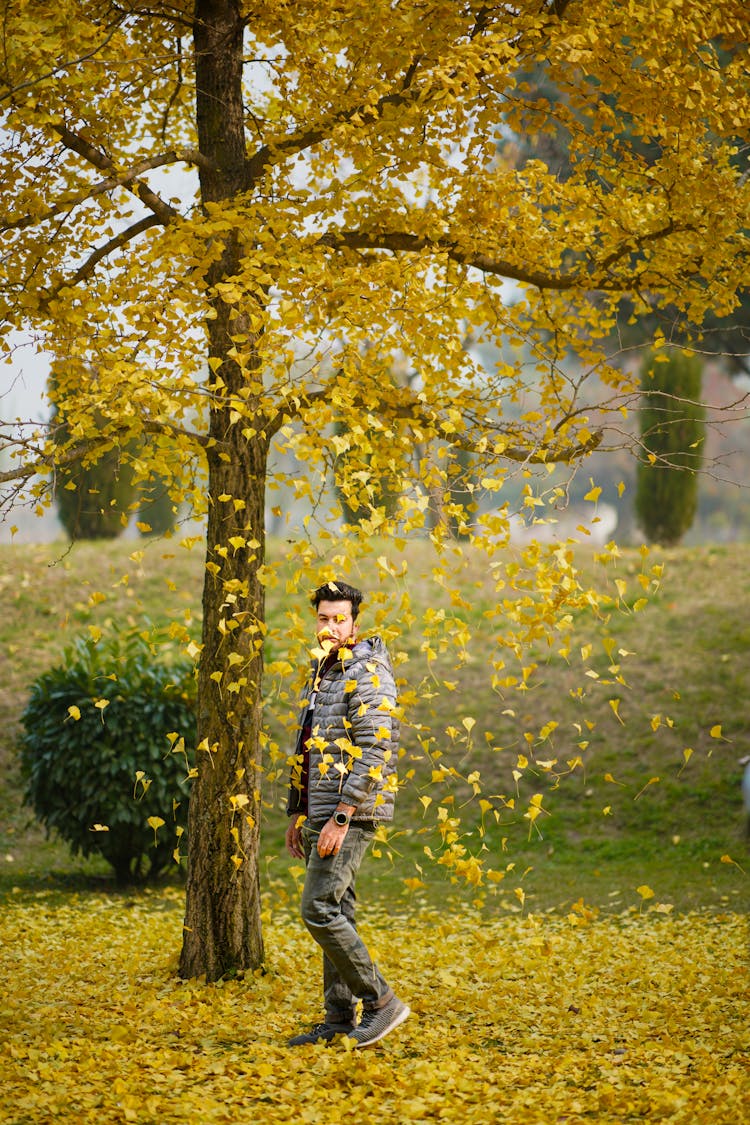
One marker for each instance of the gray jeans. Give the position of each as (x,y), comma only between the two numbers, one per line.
(327,908)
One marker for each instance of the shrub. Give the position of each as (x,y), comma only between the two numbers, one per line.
(102,746)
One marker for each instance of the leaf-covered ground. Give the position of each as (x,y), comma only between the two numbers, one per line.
(642,1017)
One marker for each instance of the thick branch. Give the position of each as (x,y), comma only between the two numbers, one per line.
(403,242)
(121,179)
(595,275)
(73,141)
(45,462)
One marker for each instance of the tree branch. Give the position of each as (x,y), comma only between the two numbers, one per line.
(78,144)
(403,242)
(121,179)
(85,271)
(45,462)
(406,407)
(588,278)
(63,65)
(273,152)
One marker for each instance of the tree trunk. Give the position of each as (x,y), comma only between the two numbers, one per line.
(222,912)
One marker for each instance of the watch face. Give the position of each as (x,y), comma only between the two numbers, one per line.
(341,818)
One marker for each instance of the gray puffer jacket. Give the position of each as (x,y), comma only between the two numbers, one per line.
(354,737)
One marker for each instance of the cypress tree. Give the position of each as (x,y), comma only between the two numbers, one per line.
(672,427)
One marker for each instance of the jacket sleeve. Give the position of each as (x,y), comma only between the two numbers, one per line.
(295,796)
(370,705)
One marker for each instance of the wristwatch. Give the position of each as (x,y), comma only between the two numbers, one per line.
(341,818)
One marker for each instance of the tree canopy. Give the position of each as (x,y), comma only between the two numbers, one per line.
(241,215)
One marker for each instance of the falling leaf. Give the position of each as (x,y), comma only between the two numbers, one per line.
(156,823)
(651,781)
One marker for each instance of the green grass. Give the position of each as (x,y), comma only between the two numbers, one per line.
(608,826)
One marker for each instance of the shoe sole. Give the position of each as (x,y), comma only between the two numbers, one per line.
(397,1021)
(307,1042)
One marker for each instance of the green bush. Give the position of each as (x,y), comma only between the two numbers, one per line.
(114,766)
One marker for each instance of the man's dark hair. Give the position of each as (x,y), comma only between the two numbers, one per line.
(338,591)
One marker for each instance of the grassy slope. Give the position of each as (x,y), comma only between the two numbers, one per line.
(687,672)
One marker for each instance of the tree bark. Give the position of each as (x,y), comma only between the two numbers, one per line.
(222,913)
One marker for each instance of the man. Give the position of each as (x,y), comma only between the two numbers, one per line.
(342,786)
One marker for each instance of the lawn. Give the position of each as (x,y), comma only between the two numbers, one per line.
(588,964)
(652,707)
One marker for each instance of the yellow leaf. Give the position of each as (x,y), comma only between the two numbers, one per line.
(156,823)
(651,781)
(615,705)
(728,859)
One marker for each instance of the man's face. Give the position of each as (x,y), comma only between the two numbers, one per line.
(335,627)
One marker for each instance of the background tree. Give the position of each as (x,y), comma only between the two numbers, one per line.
(350,205)
(157,514)
(673,430)
(93,500)
(93,494)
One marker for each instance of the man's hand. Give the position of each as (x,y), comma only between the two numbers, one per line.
(294,838)
(331,838)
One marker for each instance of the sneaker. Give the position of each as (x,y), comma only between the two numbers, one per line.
(321,1033)
(378,1022)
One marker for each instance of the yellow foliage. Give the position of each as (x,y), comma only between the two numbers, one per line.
(522,1019)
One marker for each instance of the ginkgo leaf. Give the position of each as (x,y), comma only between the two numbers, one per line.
(155,822)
